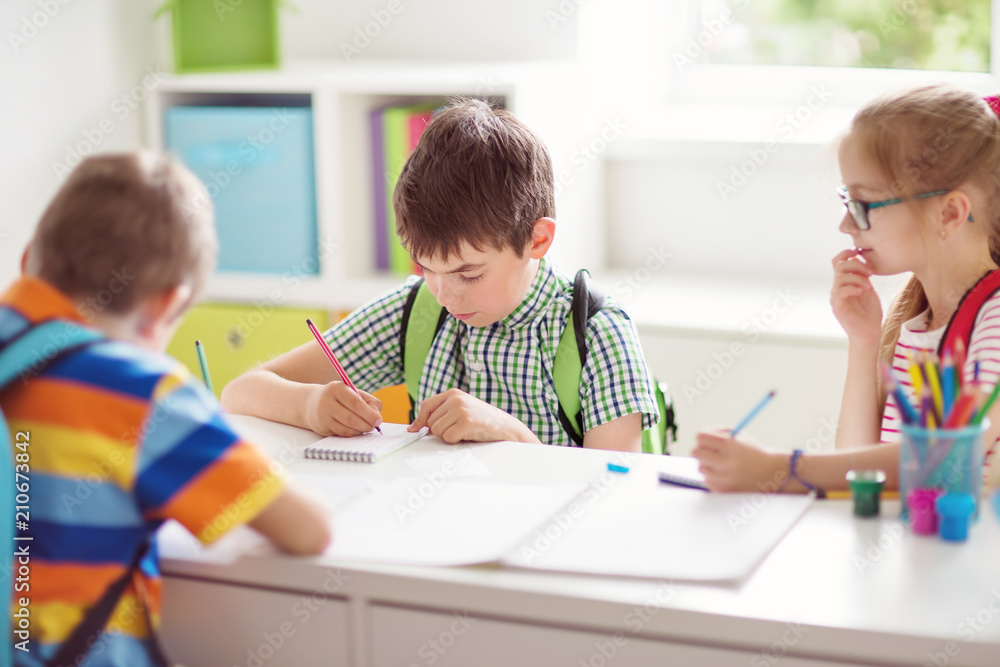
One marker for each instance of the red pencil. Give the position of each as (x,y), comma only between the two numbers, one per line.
(333,360)
(963,410)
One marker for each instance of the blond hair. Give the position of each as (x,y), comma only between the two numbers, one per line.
(123,227)
(931,138)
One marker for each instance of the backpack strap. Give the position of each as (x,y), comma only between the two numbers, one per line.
(24,357)
(571,355)
(79,643)
(28,353)
(961,323)
(423,318)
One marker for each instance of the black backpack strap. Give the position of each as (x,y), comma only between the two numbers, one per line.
(587,301)
(79,643)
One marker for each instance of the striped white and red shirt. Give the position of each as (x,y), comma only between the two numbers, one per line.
(984,347)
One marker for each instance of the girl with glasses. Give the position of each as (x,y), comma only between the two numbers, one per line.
(921,170)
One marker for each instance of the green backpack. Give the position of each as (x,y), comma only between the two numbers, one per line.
(423,318)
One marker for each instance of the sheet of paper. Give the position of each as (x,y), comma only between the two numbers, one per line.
(451,464)
(337,491)
(416,521)
(641,529)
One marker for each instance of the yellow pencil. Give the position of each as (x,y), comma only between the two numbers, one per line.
(846,495)
(935,384)
(915,375)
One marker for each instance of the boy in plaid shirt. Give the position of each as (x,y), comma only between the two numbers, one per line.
(474,207)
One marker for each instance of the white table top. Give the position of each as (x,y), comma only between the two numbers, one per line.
(862,589)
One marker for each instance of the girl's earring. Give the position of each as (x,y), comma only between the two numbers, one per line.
(944,235)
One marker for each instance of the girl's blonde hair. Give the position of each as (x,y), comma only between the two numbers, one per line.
(925,139)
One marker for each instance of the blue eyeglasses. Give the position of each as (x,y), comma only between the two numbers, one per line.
(859,209)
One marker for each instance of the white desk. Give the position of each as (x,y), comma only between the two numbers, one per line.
(827,595)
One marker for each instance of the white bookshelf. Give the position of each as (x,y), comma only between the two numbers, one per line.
(341,98)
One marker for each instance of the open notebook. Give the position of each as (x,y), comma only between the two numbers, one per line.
(364,448)
(630,525)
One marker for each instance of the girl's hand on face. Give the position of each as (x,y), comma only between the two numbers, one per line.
(855,303)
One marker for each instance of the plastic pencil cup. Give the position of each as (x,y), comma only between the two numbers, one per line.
(950,460)
(923,511)
(955,510)
(866,489)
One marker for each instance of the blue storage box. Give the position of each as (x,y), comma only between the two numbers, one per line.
(258,165)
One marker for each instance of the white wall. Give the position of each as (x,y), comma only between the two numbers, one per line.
(428,29)
(62,83)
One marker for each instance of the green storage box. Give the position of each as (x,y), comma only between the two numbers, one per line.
(240,337)
(224,35)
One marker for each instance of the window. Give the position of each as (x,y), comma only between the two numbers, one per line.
(941,35)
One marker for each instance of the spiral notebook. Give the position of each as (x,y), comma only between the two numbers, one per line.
(364,448)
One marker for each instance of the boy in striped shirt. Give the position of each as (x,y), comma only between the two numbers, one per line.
(474,207)
(121,437)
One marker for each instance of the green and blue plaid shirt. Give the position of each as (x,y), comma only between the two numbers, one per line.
(509,363)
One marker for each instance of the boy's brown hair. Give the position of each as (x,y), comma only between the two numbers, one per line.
(123,227)
(478,175)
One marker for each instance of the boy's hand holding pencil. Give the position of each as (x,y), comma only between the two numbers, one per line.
(336,409)
(340,408)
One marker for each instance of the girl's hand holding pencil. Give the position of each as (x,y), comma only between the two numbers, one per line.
(729,464)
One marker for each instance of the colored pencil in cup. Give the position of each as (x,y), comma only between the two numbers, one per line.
(753,413)
(947,384)
(963,409)
(916,376)
(203,362)
(333,360)
(934,381)
(906,410)
(983,411)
